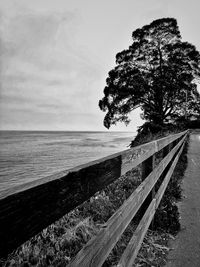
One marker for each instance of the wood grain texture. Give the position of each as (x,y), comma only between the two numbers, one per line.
(97,249)
(134,156)
(27,209)
(165,182)
(131,251)
(134,244)
(24,214)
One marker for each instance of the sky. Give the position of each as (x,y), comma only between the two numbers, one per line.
(55,56)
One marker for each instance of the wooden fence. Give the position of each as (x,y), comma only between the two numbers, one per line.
(27,209)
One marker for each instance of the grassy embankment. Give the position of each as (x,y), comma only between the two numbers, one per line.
(60,242)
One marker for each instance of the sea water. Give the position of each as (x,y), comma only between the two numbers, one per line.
(29,155)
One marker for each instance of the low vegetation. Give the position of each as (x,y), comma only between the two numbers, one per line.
(60,242)
(167,215)
(57,244)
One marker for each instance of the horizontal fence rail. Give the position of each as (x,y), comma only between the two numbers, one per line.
(98,249)
(27,209)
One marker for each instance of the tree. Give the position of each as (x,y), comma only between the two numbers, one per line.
(158,73)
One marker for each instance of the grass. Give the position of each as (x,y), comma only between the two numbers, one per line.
(154,249)
(167,215)
(56,244)
(59,243)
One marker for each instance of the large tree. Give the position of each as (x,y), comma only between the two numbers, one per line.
(158,73)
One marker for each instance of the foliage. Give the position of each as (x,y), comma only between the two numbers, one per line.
(59,243)
(157,73)
(167,214)
(154,249)
(55,245)
(150,131)
(195,124)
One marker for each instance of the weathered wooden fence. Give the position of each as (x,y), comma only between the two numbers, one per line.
(27,209)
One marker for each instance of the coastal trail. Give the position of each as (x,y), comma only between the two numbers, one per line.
(186,247)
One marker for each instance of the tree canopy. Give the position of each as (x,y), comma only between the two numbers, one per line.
(158,72)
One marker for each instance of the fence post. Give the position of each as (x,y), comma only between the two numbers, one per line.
(166,150)
(147,167)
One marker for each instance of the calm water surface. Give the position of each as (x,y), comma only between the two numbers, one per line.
(26,156)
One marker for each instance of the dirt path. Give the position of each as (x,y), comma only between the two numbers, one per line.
(186,247)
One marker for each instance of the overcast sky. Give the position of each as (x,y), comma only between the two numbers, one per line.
(55,56)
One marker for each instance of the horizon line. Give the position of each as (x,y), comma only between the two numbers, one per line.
(106,131)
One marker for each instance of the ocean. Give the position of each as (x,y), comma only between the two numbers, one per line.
(29,155)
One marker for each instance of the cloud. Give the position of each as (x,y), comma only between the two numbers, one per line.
(44,70)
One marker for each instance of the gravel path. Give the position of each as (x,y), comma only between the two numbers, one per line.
(186,247)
